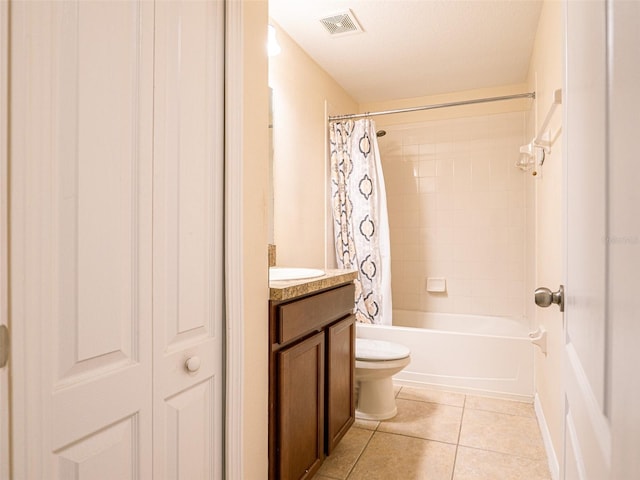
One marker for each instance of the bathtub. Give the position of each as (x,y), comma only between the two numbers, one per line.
(466,353)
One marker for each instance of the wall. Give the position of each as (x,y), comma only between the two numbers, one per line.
(254,197)
(457,210)
(303,96)
(545,76)
(299,231)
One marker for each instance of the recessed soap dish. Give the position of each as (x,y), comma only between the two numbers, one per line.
(436,284)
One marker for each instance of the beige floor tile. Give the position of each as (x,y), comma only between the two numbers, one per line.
(472,464)
(431,421)
(433,396)
(398,457)
(344,456)
(317,476)
(499,405)
(502,433)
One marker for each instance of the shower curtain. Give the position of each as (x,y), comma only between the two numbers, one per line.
(361,227)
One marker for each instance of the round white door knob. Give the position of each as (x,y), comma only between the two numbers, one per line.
(192,364)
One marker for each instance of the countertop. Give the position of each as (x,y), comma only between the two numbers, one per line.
(288,289)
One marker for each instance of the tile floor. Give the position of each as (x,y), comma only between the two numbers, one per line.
(443,436)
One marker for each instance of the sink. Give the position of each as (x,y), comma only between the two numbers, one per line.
(293,273)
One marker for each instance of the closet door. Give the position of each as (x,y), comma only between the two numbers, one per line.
(5,460)
(187,240)
(80,185)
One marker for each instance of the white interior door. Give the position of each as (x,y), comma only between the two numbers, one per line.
(603,254)
(624,236)
(587,436)
(187,249)
(4,232)
(81,239)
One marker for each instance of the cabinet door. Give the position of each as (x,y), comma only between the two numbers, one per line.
(340,380)
(301,413)
(187,240)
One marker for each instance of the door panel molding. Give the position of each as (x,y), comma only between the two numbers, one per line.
(591,432)
(107,453)
(81,157)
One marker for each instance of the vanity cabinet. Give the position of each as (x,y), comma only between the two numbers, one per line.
(311,379)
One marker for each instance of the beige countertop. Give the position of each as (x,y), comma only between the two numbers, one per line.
(288,289)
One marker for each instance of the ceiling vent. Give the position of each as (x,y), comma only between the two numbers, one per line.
(341,23)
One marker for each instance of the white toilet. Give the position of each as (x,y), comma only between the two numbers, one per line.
(376,362)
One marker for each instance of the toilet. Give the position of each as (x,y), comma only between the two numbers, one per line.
(376,362)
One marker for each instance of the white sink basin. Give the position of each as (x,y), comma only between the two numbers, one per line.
(293,273)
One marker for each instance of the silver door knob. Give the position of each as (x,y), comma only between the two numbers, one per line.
(192,364)
(545,297)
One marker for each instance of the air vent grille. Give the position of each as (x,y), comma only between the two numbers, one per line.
(341,23)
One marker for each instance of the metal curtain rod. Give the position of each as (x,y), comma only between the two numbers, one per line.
(431,107)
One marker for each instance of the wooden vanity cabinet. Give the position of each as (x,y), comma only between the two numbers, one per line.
(340,380)
(301,407)
(311,380)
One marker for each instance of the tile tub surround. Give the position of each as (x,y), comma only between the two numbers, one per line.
(289,289)
(443,435)
(457,209)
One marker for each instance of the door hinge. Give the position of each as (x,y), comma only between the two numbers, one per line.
(4,345)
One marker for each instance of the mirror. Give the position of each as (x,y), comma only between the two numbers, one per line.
(270,220)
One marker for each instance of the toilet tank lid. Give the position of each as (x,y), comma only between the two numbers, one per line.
(367,349)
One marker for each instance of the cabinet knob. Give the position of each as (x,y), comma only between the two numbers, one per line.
(192,364)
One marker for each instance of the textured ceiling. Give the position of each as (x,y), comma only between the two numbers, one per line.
(413,48)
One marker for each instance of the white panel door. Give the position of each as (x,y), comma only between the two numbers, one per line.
(187,248)
(81,239)
(587,432)
(4,232)
(624,236)
(603,239)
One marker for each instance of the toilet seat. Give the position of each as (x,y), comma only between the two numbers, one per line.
(379,350)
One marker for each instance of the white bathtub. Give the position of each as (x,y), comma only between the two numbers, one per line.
(466,353)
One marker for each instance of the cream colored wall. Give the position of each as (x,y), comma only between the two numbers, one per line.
(254,224)
(303,95)
(545,76)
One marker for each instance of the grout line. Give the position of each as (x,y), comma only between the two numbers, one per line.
(502,413)
(430,402)
(417,438)
(531,459)
(360,455)
(455,458)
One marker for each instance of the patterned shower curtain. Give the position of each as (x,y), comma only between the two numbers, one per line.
(361,227)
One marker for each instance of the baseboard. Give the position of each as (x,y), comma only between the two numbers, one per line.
(552,458)
(446,387)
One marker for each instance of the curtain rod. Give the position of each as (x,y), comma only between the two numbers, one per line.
(431,107)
